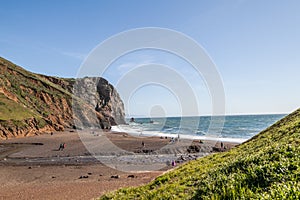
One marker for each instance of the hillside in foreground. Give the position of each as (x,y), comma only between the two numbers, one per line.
(31,103)
(265,167)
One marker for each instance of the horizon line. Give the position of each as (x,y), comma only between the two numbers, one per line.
(207,115)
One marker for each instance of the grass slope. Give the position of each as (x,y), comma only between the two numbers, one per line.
(11,110)
(26,88)
(266,167)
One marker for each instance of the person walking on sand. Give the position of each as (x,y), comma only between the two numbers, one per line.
(143,144)
(173,163)
(61,147)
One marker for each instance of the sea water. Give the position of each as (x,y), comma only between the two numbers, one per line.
(234,128)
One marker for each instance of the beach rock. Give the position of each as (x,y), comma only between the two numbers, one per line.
(218,149)
(193,149)
(147,150)
(131,176)
(81,177)
(115,176)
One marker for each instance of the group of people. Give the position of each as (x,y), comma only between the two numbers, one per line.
(62,146)
(173,139)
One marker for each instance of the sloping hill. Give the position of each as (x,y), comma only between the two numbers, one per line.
(31,103)
(266,167)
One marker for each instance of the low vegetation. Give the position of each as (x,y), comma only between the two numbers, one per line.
(10,110)
(265,167)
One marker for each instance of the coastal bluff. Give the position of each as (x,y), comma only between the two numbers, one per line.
(31,104)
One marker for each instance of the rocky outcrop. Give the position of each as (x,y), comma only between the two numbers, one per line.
(31,103)
(22,128)
(102,96)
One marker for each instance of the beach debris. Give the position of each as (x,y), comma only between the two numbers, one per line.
(115,176)
(193,149)
(81,177)
(131,176)
(218,149)
(146,151)
(185,158)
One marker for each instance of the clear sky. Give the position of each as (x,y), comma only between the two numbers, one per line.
(255,45)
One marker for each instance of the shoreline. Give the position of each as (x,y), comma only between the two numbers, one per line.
(118,129)
(34,162)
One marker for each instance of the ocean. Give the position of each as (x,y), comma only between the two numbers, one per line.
(232,128)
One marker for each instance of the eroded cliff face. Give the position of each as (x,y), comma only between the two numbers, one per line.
(31,104)
(102,96)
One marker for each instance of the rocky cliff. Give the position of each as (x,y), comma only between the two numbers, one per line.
(31,104)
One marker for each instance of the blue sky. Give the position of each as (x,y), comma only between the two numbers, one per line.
(255,45)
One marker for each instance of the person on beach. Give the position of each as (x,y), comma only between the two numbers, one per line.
(173,163)
(143,144)
(61,147)
(172,140)
(132,119)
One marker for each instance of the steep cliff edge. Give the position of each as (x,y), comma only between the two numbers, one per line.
(31,103)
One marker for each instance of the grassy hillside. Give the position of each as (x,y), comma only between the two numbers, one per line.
(32,103)
(10,110)
(25,89)
(266,167)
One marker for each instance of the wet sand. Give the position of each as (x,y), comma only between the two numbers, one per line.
(33,168)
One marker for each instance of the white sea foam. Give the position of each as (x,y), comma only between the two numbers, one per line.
(139,132)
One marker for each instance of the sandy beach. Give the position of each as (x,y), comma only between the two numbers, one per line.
(34,168)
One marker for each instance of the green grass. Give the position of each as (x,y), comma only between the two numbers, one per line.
(12,110)
(266,167)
